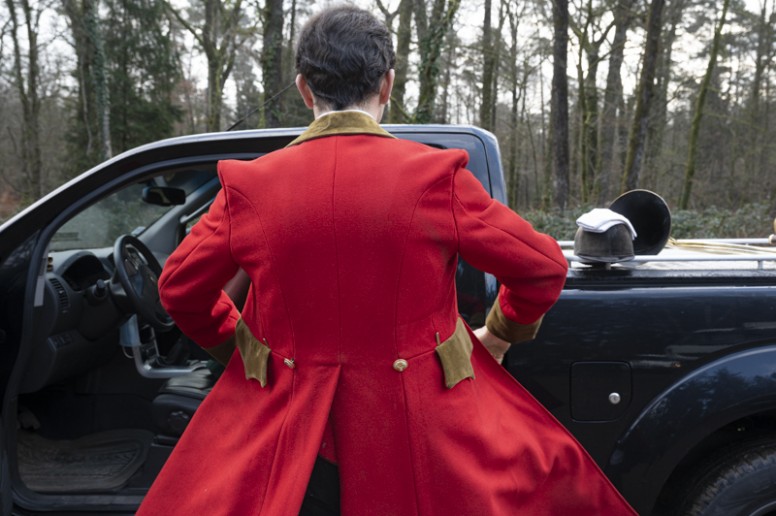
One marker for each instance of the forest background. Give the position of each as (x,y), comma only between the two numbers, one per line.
(588,98)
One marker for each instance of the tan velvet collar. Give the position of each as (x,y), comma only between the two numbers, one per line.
(344,122)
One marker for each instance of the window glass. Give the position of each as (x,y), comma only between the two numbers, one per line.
(120,213)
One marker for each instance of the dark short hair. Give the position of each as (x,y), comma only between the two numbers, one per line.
(343,52)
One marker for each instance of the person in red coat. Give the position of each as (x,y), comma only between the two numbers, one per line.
(350,347)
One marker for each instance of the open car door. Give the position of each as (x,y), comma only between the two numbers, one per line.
(5,477)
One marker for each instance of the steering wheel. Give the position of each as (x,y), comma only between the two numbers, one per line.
(138,272)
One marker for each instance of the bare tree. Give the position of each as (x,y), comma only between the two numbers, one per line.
(764,55)
(271,60)
(623,14)
(587,105)
(559,103)
(487,106)
(658,117)
(449,64)
(397,112)
(26,75)
(491,59)
(85,133)
(220,35)
(644,96)
(430,39)
(692,148)
(99,77)
(516,91)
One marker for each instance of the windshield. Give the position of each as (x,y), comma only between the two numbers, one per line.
(120,213)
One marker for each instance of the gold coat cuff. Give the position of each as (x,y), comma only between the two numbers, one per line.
(509,330)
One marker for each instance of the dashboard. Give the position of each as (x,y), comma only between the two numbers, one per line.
(83,269)
(77,322)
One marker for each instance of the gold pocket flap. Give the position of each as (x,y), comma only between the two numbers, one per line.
(455,353)
(255,354)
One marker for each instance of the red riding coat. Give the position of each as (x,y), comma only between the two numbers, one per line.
(350,342)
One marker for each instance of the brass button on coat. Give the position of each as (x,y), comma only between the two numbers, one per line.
(400,365)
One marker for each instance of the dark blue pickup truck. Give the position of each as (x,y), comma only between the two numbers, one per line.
(664,366)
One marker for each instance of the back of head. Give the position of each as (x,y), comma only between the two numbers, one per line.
(343,53)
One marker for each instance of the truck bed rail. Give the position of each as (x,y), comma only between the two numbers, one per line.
(731,253)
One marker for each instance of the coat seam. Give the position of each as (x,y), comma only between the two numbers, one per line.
(275,455)
(401,267)
(395,340)
(208,237)
(336,248)
(452,211)
(282,290)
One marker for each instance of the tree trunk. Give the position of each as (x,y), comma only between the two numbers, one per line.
(559,108)
(447,79)
(659,113)
(536,153)
(289,66)
(26,79)
(587,105)
(215,96)
(430,38)
(398,110)
(590,126)
(271,61)
(578,147)
(496,44)
(692,147)
(513,183)
(83,152)
(218,38)
(756,119)
(488,71)
(644,96)
(607,165)
(99,77)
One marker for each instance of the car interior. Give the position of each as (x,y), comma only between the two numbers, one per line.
(110,383)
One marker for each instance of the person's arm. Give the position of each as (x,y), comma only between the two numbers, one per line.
(529,265)
(192,282)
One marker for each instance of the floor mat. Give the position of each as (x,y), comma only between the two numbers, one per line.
(98,462)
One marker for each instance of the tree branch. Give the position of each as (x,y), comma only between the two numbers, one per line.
(186,25)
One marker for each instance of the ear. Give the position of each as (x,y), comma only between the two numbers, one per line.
(387,86)
(305,91)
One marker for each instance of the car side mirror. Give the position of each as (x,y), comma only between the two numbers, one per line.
(164,195)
